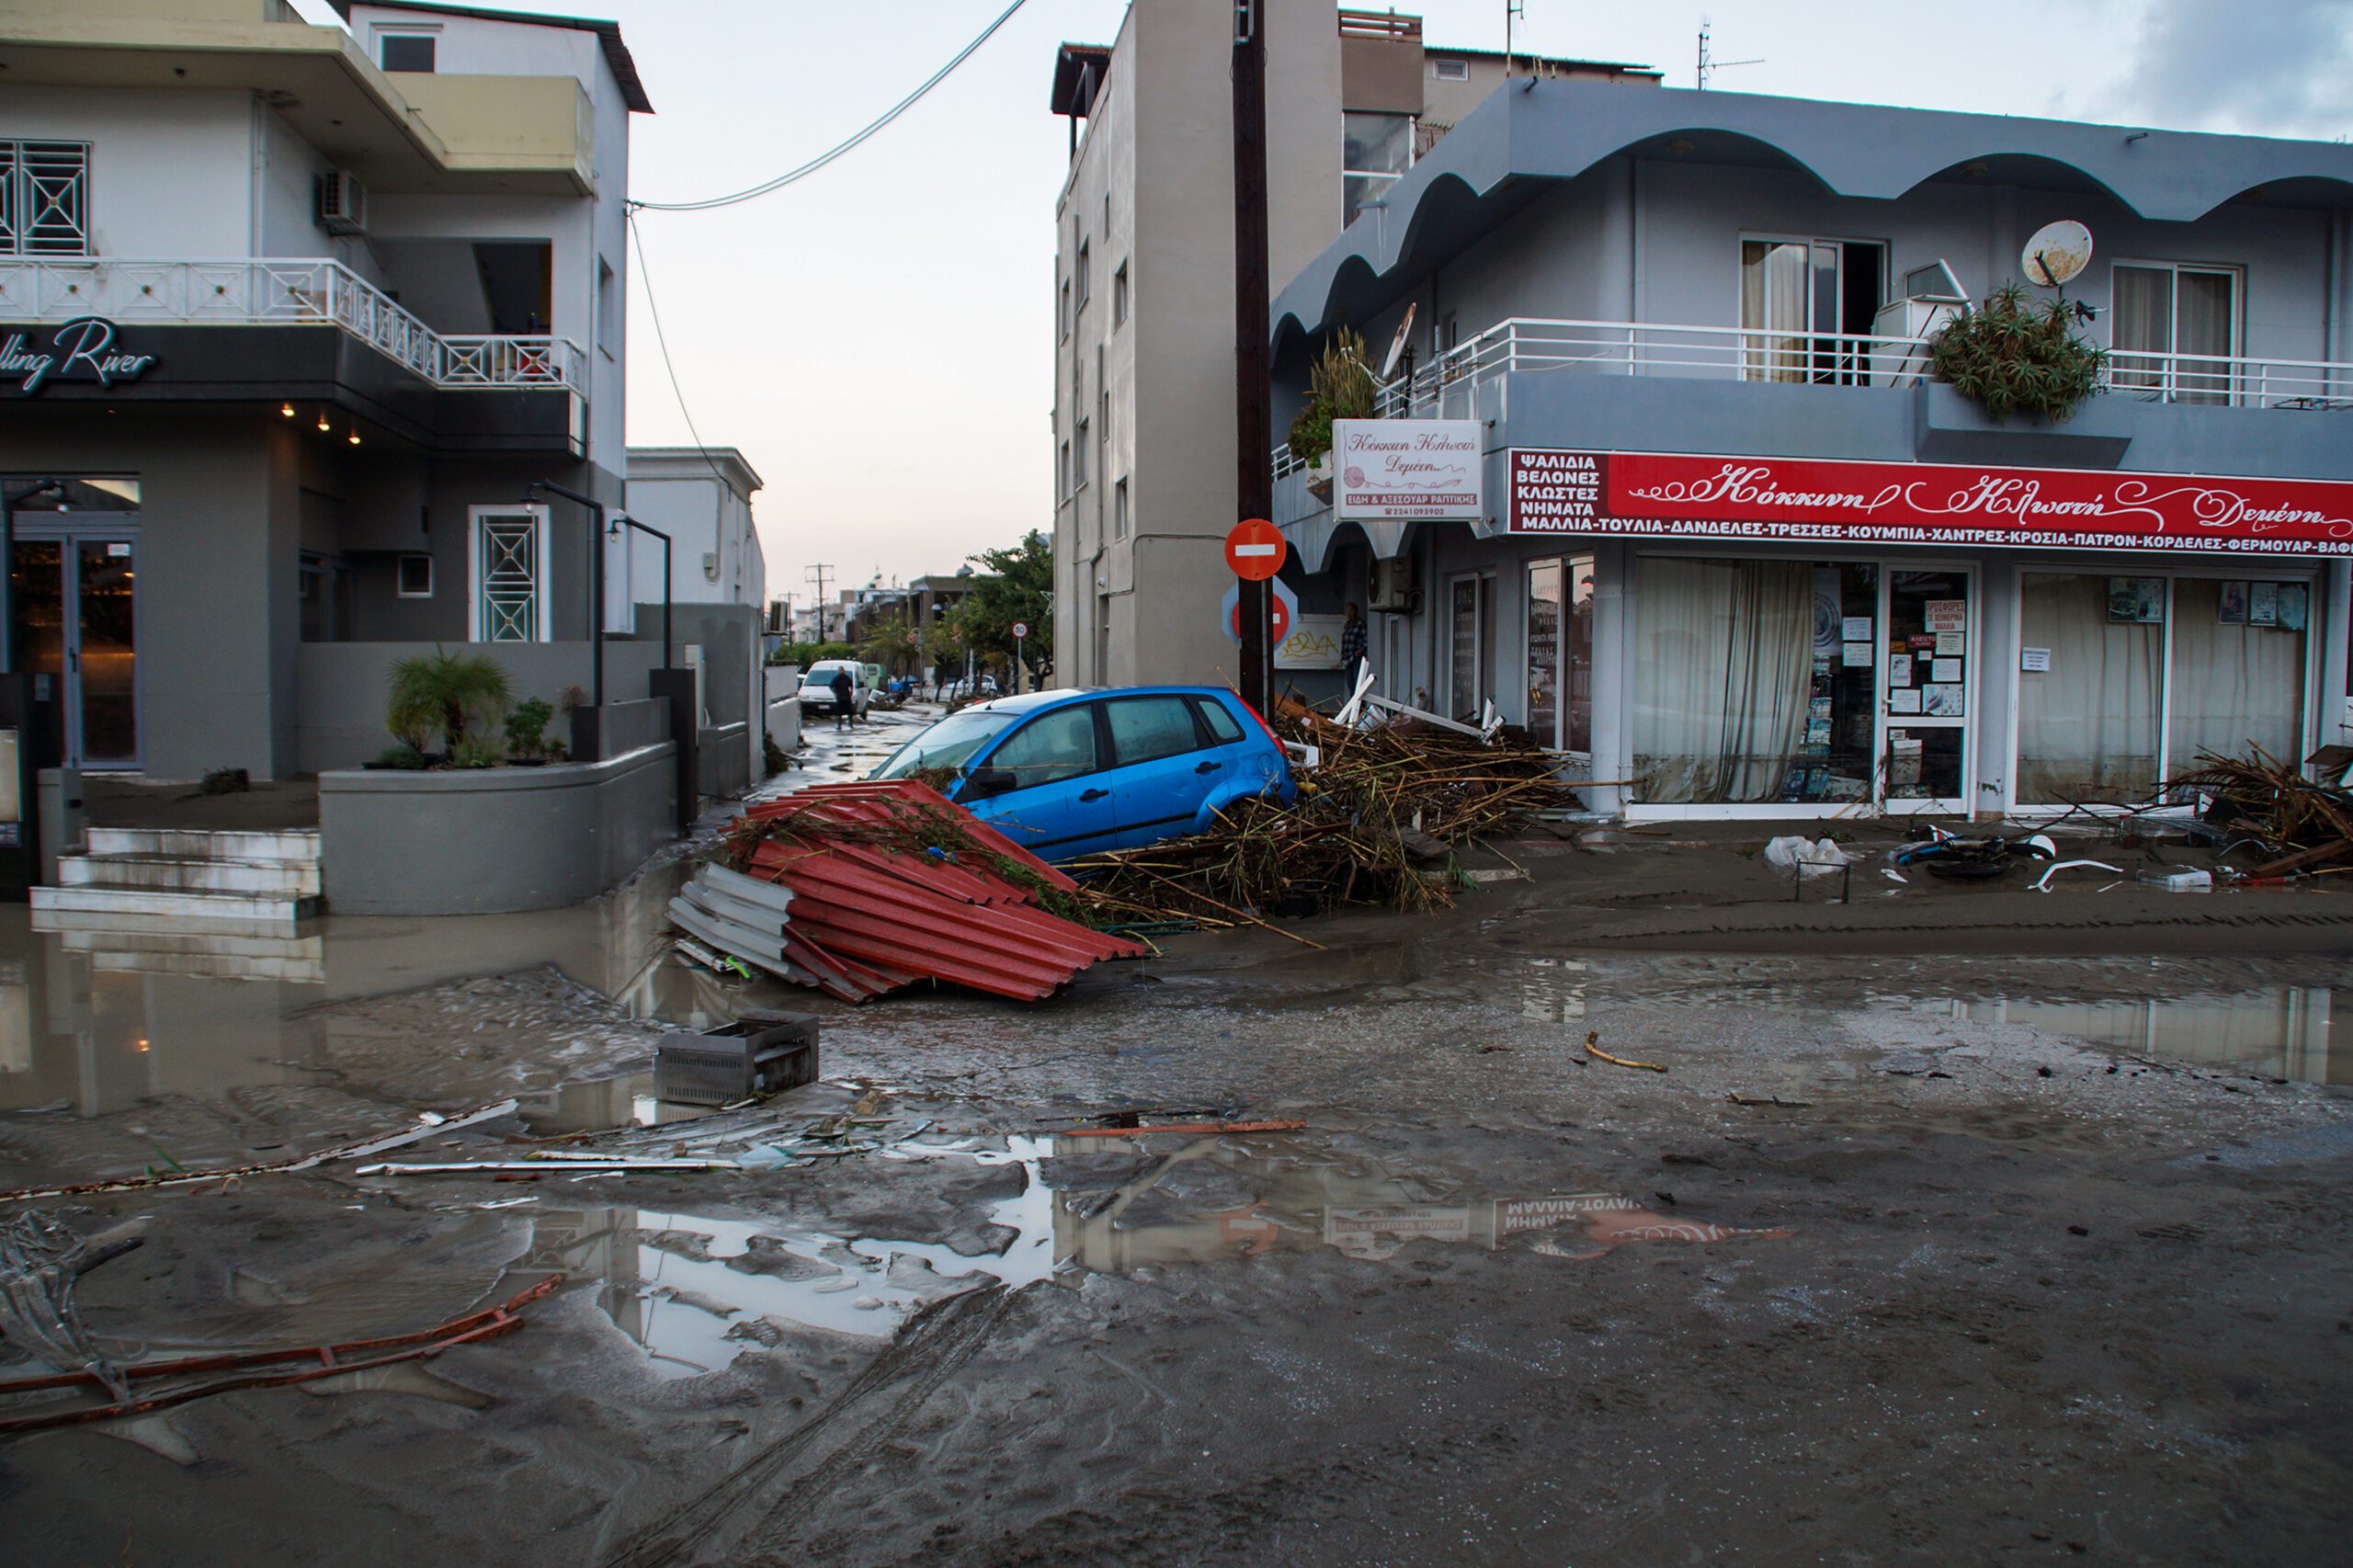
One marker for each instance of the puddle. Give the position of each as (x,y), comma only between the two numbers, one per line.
(2165,1009)
(694,1290)
(601,1104)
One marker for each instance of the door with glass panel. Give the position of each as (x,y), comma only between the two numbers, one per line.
(1560,652)
(1806,306)
(77,620)
(1926,651)
(2177,329)
(1470,646)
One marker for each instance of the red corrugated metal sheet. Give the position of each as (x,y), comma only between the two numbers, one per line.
(876,906)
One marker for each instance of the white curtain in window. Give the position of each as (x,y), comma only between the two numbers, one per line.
(2087,726)
(1724,666)
(2143,324)
(1773,299)
(2234,687)
(2202,322)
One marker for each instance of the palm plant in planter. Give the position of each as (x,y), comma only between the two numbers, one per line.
(2011,354)
(1340,385)
(440,696)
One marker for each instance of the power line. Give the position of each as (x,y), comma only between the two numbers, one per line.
(819,161)
(645,277)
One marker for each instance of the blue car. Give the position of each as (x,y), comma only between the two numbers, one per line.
(1068,773)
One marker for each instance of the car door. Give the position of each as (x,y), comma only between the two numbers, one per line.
(1060,801)
(1166,765)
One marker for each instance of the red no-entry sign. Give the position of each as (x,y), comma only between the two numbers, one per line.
(1282,610)
(1255,550)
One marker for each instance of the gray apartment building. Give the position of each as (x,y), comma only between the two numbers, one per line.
(1737,552)
(1142,422)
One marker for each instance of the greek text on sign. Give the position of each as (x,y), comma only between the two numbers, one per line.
(1394,470)
(1679,496)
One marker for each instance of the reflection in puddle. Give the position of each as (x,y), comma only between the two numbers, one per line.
(2280,1031)
(696,1291)
(600,1104)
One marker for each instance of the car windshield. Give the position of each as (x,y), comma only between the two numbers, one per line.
(951,743)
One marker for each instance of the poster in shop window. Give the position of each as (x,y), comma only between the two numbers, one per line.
(1941,701)
(2263,604)
(1397,469)
(2294,603)
(2232,610)
(1947,615)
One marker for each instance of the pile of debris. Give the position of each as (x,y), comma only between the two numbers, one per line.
(1379,817)
(860,889)
(2300,828)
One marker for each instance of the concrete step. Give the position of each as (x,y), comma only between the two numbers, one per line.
(298,844)
(277,909)
(113,931)
(172,874)
(286,969)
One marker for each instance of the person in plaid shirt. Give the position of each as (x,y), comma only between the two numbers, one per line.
(1353,647)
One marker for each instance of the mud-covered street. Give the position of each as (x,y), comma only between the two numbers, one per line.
(1963,1254)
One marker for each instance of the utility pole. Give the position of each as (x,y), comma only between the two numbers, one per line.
(817,576)
(1254,486)
(1512,8)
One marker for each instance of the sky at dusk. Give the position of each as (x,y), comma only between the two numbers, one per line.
(877,338)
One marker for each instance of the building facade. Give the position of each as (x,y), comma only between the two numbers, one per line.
(1143,424)
(294,316)
(1740,553)
(700,496)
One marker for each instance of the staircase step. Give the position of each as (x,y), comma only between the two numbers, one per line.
(299,845)
(285,970)
(275,908)
(166,873)
(113,931)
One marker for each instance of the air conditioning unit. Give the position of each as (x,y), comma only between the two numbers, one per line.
(343,204)
(1393,585)
(779,623)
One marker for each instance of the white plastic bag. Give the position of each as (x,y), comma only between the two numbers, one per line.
(1811,858)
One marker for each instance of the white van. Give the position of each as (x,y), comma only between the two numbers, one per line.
(817,687)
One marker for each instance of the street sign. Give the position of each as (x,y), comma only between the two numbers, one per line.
(1255,550)
(1020,629)
(1282,613)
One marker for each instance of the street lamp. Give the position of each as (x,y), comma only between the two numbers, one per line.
(622,520)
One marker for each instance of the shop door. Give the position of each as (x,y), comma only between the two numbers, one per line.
(1927,649)
(78,623)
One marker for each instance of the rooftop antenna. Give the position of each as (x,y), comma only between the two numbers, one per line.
(1512,8)
(1709,66)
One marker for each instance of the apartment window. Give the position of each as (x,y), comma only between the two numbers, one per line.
(1106,215)
(1450,70)
(1062,485)
(415,579)
(1085,275)
(1061,321)
(1120,295)
(1120,510)
(510,575)
(608,309)
(1375,149)
(405,52)
(2176,327)
(1805,305)
(1078,458)
(44,198)
(1102,399)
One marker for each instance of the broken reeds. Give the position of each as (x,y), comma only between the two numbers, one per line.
(2298,824)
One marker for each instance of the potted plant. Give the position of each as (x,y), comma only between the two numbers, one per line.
(2012,355)
(440,696)
(1340,385)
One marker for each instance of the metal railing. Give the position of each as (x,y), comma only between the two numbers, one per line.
(266,292)
(1524,345)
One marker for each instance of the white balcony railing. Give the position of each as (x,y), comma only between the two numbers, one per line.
(1522,346)
(276,293)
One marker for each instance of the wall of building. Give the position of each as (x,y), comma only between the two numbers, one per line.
(171,172)
(702,514)
(339,688)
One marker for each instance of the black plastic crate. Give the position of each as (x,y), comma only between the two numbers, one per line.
(760,1053)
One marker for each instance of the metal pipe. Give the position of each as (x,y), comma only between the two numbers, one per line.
(620,519)
(596,579)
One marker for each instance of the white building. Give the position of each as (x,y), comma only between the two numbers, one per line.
(700,496)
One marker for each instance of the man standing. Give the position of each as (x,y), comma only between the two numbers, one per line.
(1353,645)
(841,684)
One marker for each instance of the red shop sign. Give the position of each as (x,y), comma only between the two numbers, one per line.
(1679,496)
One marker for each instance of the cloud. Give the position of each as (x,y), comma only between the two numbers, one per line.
(2262,67)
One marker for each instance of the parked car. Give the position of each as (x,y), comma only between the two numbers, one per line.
(817,687)
(958,689)
(1069,773)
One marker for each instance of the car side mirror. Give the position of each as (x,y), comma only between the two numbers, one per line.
(983,782)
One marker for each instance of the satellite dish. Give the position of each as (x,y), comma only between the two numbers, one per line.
(1397,344)
(2057,253)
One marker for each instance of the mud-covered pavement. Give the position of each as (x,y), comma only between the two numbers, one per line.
(1963,1257)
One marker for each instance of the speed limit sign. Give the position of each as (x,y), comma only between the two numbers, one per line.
(1020,629)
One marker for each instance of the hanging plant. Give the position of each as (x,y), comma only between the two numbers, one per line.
(1340,385)
(2013,354)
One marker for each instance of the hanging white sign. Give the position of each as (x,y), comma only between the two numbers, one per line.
(1398,469)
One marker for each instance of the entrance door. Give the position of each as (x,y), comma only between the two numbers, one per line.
(78,623)
(1926,648)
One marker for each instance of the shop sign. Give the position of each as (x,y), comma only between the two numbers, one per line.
(1397,469)
(82,350)
(1678,496)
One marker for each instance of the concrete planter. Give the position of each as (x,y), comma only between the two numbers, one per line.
(491,840)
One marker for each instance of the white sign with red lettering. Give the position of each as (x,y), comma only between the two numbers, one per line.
(1396,470)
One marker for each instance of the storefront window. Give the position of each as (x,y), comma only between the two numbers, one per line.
(1470,646)
(2238,661)
(1544,651)
(1747,686)
(2090,687)
(1560,652)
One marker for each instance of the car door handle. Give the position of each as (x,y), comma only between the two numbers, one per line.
(1092,794)
(1208,768)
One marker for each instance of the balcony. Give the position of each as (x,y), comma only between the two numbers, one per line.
(267,292)
(1451,385)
